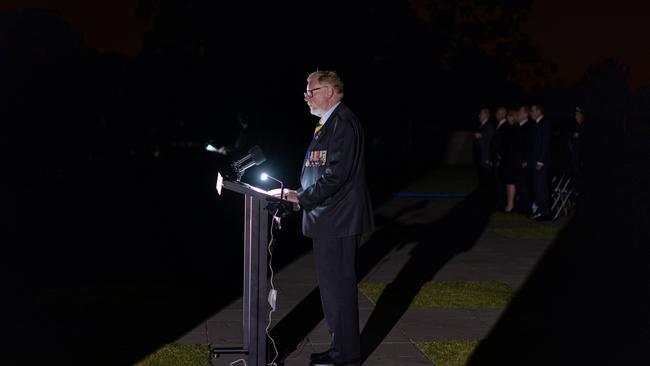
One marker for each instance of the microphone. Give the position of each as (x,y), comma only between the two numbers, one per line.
(254,157)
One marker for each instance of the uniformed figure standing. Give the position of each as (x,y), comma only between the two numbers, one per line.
(336,211)
(578,134)
(481,150)
(496,156)
(523,140)
(538,162)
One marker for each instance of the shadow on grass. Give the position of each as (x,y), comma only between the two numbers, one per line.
(588,300)
(450,294)
(437,243)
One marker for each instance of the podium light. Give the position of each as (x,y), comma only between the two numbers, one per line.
(211,148)
(265,177)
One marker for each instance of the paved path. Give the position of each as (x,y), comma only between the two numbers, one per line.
(492,258)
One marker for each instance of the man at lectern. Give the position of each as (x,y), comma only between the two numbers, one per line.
(336,211)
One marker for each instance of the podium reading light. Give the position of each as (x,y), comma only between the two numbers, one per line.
(211,148)
(265,176)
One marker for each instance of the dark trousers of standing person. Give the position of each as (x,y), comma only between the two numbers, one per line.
(486,178)
(525,200)
(540,187)
(501,195)
(337,280)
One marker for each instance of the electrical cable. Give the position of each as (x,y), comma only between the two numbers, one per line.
(207,341)
(272,299)
(272,291)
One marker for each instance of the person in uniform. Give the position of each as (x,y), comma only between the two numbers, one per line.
(523,139)
(538,162)
(336,211)
(481,149)
(578,133)
(496,156)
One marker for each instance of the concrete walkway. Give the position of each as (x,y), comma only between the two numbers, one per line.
(492,258)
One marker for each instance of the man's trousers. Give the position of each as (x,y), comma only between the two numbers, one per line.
(337,279)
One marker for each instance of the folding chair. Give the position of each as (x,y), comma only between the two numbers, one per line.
(562,195)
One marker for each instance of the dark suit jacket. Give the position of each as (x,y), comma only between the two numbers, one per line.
(333,194)
(523,139)
(482,143)
(496,146)
(540,144)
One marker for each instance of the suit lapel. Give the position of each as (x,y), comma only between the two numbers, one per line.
(319,136)
(328,124)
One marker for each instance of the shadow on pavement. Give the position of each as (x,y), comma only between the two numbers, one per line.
(588,300)
(437,243)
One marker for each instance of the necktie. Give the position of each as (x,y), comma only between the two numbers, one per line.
(319,126)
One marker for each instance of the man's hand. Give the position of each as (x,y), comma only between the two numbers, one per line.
(291,196)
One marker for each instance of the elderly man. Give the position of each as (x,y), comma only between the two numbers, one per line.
(336,211)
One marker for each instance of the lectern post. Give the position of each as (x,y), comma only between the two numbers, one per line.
(254,305)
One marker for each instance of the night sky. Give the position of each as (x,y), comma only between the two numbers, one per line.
(571,34)
(110,210)
(575,34)
(107,25)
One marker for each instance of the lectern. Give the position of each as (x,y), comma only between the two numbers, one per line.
(255,305)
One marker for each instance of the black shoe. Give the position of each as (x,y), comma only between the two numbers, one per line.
(328,361)
(535,216)
(318,355)
(543,218)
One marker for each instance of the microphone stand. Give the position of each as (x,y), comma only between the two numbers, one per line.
(281,186)
(283,207)
(254,157)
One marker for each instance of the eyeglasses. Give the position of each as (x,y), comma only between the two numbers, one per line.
(310,92)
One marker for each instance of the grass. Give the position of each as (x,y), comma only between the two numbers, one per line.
(178,355)
(448,353)
(449,179)
(471,294)
(502,216)
(528,232)
(449,203)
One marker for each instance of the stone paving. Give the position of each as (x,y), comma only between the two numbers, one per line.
(493,258)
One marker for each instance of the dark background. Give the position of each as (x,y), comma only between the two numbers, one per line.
(110,219)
